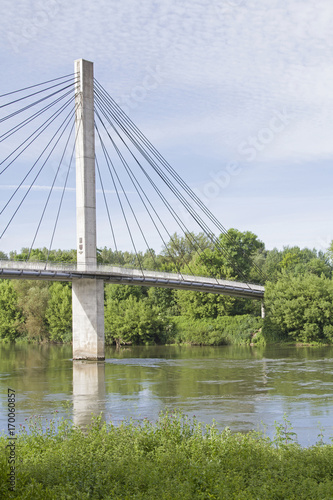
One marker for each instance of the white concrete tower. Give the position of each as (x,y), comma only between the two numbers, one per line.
(87,294)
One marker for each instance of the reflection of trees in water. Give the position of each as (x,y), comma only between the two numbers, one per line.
(37,369)
(184,378)
(185,352)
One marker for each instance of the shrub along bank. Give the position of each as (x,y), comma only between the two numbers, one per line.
(176,458)
(225,330)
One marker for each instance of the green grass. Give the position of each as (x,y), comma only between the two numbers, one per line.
(175,458)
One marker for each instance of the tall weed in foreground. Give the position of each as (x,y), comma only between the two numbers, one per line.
(284,434)
(175,458)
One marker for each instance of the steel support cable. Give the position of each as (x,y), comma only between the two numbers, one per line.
(50,191)
(47,123)
(119,112)
(140,165)
(106,204)
(138,224)
(185,203)
(138,146)
(168,167)
(39,171)
(136,184)
(152,163)
(37,85)
(22,124)
(63,191)
(34,103)
(129,204)
(166,203)
(217,243)
(108,159)
(123,212)
(126,166)
(209,233)
(35,93)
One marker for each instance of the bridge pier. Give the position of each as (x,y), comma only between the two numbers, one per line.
(88,319)
(87,294)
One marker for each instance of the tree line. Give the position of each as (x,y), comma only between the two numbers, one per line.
(298,296)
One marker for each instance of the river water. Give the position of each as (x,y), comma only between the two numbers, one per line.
(243,388)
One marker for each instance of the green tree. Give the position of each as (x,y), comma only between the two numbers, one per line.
(68,256)
(179,251)
(318,267)
(232,259)
(33,297)
(271,265)
(10,317)
(198,305)
(123,292)
(234,256)
(298,261)
(329,253)
(301,307)
(133,321)
(59,312)
(23,255)
(164,299)
(43,254)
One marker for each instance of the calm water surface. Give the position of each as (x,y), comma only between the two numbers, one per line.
(239,387)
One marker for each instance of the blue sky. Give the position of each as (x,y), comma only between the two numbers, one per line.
(236,94)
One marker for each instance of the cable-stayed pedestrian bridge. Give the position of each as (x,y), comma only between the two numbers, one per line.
(44,127)
(120,275)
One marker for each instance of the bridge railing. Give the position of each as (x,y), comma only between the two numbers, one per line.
(120,271)
(36,265)
(161,275)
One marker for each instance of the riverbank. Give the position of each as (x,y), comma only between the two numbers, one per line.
(175,458)
(244,329)
(224,330)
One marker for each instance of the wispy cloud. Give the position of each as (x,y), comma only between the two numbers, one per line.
(224,69)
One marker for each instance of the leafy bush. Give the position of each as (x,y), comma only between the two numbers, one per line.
(134,321)
(219,331)
(176,458)
(59,312)
(10,317)
(271,333)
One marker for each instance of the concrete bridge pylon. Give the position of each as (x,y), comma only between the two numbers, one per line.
(87,294)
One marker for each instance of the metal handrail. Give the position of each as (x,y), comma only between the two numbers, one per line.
(120,271)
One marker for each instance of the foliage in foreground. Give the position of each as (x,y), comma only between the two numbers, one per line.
(176,458)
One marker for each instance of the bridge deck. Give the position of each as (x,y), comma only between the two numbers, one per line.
(120,275)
